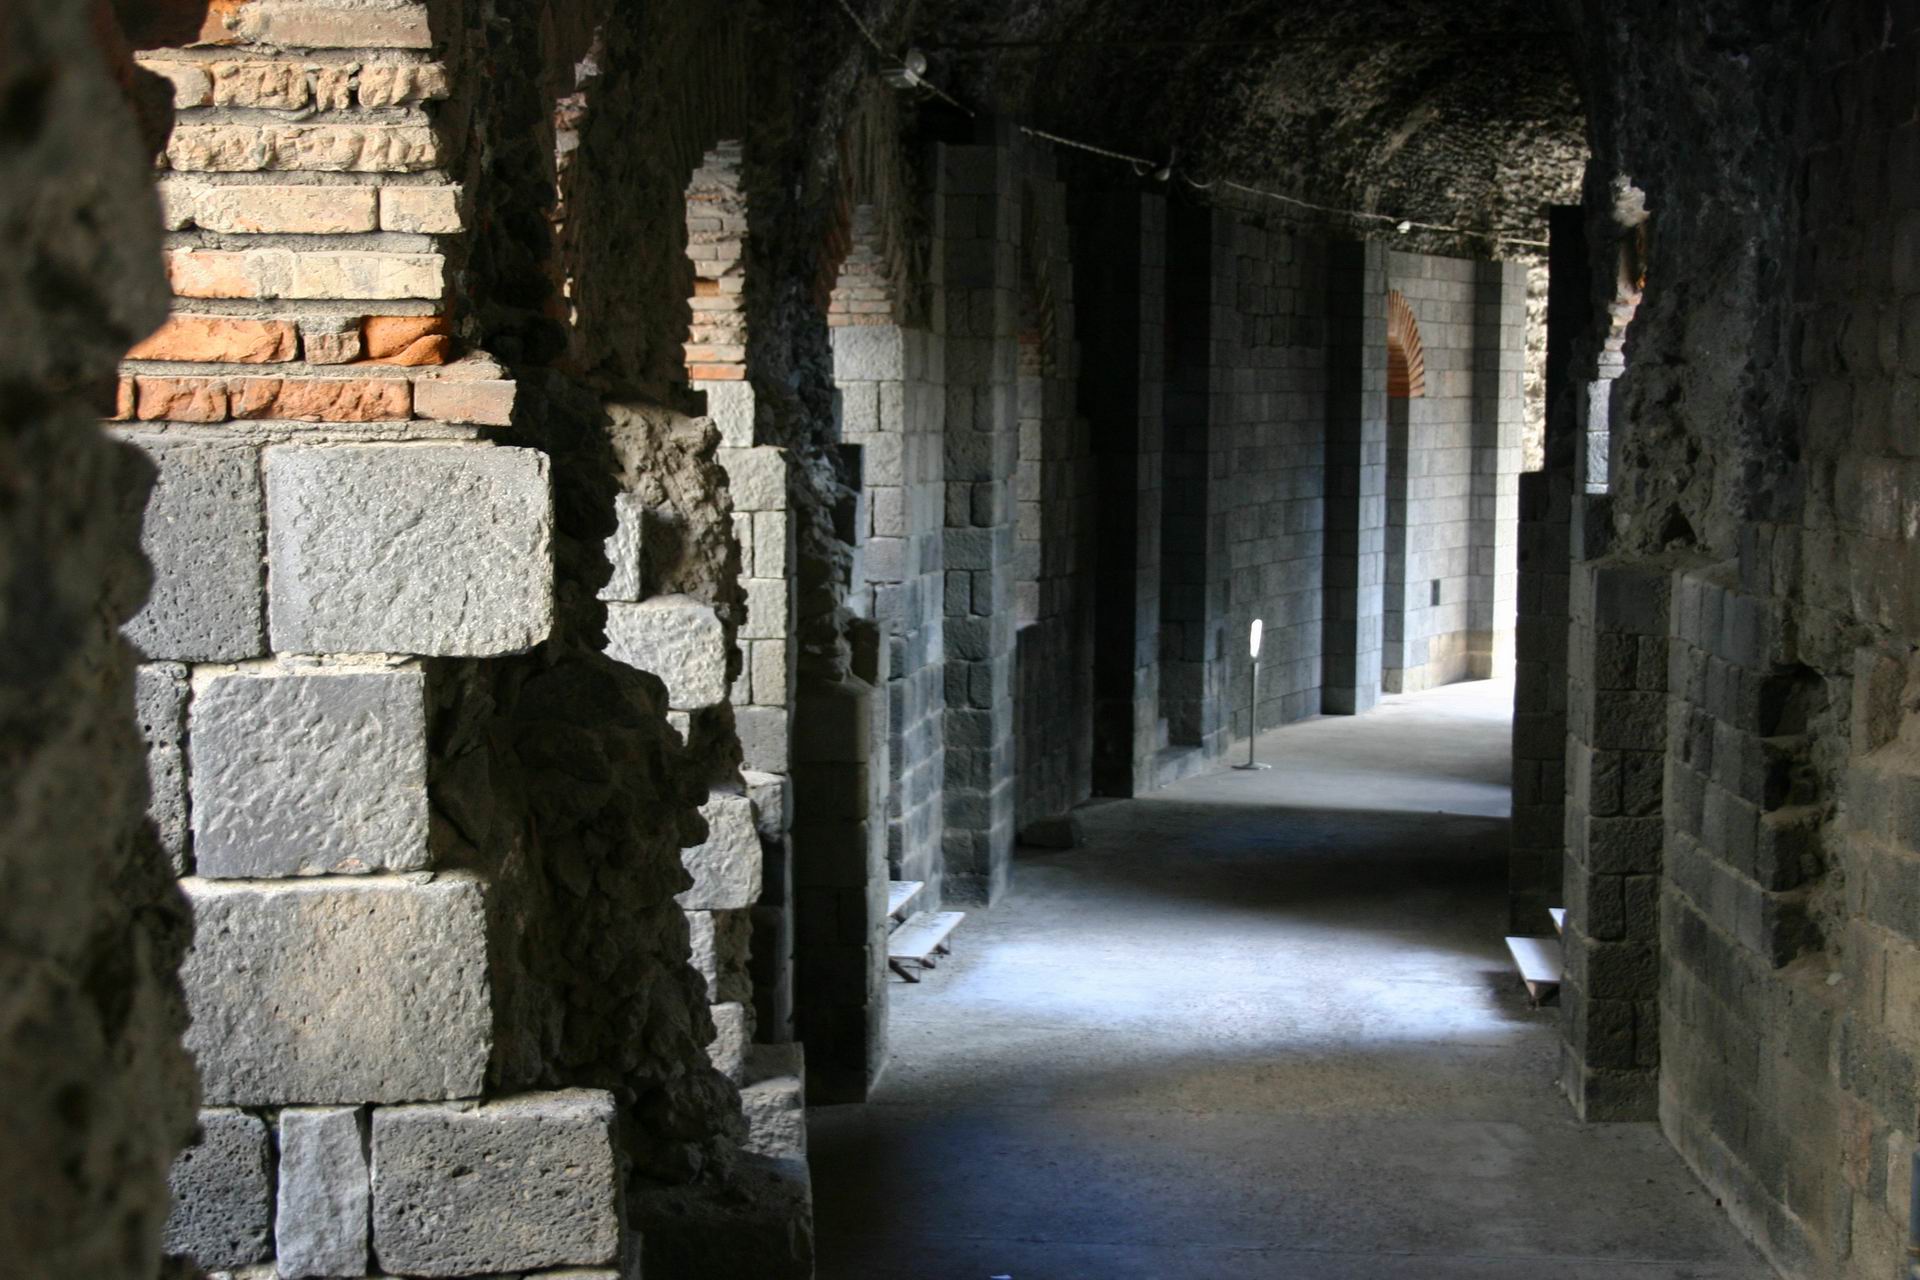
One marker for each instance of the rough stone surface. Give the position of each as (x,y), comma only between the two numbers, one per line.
(160,707)
(774,1100)
(678,639)
(409,549)
(309,773)
(519,1184)
(223,1193)
(320,1219)
(624,551)
(338,991)
(720,942)
(726,867)
(733,1035)
(202,533)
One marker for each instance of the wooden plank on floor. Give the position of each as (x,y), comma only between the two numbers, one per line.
(923,936)
(1540,964)
(1559,915)
(900,893)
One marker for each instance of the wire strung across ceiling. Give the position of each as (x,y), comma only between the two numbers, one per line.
(1164,170)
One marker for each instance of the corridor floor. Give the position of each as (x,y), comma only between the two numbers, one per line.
(1261,1026)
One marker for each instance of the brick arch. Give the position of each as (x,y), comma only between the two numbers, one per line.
(1406,357)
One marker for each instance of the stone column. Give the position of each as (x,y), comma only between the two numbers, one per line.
(1356,477)
(981,248)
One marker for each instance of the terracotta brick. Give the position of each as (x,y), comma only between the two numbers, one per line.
(717,373)
(389,85)
(192,87)
(372,276)
(426,210)
(180,399)
(487,402)
(304,25)
(316,148)
(433,349)
(323,399)
(213,338)
(123,401)
(388,336)
(217,273)
(291,210)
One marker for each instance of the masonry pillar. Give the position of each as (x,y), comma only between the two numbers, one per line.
(981,249)
(1499,406)
(1120,253)
(1356,477)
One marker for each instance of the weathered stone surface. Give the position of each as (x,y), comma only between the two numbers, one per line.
(721,945)
(256,210)
(202,534)
(518,1184)
(305,773)
(757,478)
(330,340)
(180,399)
(426,210)
(623,549)
(435,549)
(325,148)
(160,703)
(733,1032)
(223,1193)
(726,869)
(409,341)
(321,1222)
(282,273)
(322,399)
(338,991)
(774,1101)
(485,402)
(678,639)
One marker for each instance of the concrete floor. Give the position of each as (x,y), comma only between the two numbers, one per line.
(1262,1026)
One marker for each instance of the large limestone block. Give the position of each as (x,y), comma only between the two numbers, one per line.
(202,534)
(732,1034)
(429,549)
(320,1227)
(338,990)
(726,869)
(511,1186)
(310,772)
(624,549)
(223,1193)
(721,944)
(678,639)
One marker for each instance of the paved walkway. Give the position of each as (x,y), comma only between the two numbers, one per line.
(1262,1026)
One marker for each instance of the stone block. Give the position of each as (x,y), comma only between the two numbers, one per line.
(202,534)
(305,148)
(320,1226)
(721,946)
(310,773)
(338,991)
(768,609)
(282,273)
(678,639)
(731,406)
(725,869)
(757,478)
(257,210)
(774,1101)
(733,1033)
(223,1193)
(429,549)
(481,401)
(300,24)
(160,710)
(624,550)
(515,1185)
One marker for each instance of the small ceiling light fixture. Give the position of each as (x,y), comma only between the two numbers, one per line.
(1403,227)
(909,73)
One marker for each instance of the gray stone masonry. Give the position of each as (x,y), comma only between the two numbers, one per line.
(428,549)
(623,550)
(321,1223)
(160,706)
(726,868)
(310,772)
(678,639)
(203,534)
(982,450)
(1356,478)
(513,1185)
(223,1193)
(338,990)
(1616,745)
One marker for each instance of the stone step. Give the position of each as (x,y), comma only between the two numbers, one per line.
(922,937)
(900,893)
(1540,964)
